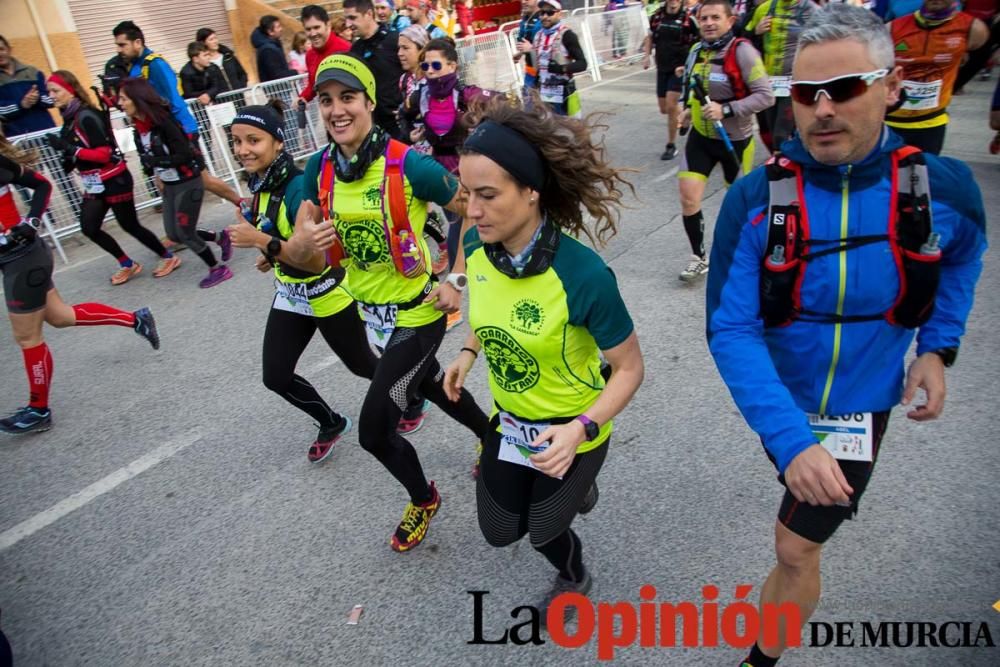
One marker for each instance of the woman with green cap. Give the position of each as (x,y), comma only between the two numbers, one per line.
(372,194)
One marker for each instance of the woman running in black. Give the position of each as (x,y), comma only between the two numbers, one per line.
(166,151)
(32,299)
(304,301)
(543,308)
(87,144)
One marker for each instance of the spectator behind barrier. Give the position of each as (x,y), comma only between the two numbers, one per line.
(24,100)
(266,39)
(224,58)
(202,79)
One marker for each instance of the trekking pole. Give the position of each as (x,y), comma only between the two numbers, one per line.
(701,94)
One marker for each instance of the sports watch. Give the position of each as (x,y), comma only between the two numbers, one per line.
(948,355)
(590,427)
(274,247)
(457,280)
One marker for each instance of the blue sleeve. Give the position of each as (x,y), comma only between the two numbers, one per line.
(736,332)
(163,79)
(44,99)
(961,219)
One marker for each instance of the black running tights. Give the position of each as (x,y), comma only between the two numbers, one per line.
(285,339)
(92,212)
(407,366)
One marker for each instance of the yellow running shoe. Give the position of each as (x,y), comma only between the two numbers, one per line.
(416,519)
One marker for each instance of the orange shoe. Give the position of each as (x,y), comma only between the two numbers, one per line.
(166,266)
(124,274)
(454,319)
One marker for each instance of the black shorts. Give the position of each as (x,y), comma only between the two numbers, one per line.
(817,523)
(28,279)
(701,154)
(927,139)
(667,82)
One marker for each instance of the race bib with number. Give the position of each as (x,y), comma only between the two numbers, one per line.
(922,95)
(848,437)
(553,92)
(92,183)
(380,322)
(168,175)
(718,77)
(516,437)
(781,86)
(292,298)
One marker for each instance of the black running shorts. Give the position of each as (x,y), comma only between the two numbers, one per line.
(817,523)
(667,82)
(28,279)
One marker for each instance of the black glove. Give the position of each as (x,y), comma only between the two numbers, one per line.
(556,68)
(56,142)
(149,161)
(68,162)
(23,233)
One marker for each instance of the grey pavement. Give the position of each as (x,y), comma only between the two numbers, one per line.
(220,544)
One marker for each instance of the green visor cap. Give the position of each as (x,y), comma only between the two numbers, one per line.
(348,71)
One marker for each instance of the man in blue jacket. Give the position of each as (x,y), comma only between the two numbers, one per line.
(143,62)
(24,100)
(806,314)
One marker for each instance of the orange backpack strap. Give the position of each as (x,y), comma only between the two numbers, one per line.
(326,184)
(395,155)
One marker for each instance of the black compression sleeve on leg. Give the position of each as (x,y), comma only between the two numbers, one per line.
(694,226)
(566,554)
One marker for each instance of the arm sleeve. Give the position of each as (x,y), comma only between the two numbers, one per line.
(429,180)
(600,309)
(572,44)
(44,99)
(188,84)
(310,178)
(736,332)
(41,188)
(752,68)
(178,143)
(961,258)
(293,198)
(98,147)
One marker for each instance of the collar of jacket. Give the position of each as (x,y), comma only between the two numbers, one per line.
(864,173)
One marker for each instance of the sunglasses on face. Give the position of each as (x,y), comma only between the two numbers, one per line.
(437,65)
(837,89)
(548,12)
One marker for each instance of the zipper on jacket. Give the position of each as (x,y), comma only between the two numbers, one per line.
(841,287)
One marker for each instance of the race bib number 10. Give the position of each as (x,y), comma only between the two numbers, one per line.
(516,438)
(848,437)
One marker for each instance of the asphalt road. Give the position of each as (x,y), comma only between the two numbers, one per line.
(171,518)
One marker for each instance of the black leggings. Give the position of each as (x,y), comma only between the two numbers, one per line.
(117,197)
(513,500)
(285,339)
(407,366)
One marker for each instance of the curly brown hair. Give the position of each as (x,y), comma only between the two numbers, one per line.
(25,158)
(578,174)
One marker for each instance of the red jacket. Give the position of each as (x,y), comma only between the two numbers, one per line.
(314,57)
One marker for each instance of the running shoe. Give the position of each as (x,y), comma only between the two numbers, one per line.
(559,587)
(27,420)
(225,245)
(696,268)
(413,418)
(670,153)
(454,319)
(590,500)
(416,519)
(125,273)
(327,438)
(166,266)
(216,275)
(479,456)
(145,326)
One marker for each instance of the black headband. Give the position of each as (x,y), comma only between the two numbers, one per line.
(511,150)
(263,118)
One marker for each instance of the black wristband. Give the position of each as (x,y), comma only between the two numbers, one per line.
(727,111)
(469,349)
(947,354)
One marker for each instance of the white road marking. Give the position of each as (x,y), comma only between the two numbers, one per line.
(669,174)
(331,360)
(74,502)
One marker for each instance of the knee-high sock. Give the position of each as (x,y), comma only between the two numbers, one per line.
(38,365)
(97,314)
(694,225)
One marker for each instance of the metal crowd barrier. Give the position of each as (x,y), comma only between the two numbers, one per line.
(615,37)
(487,61)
